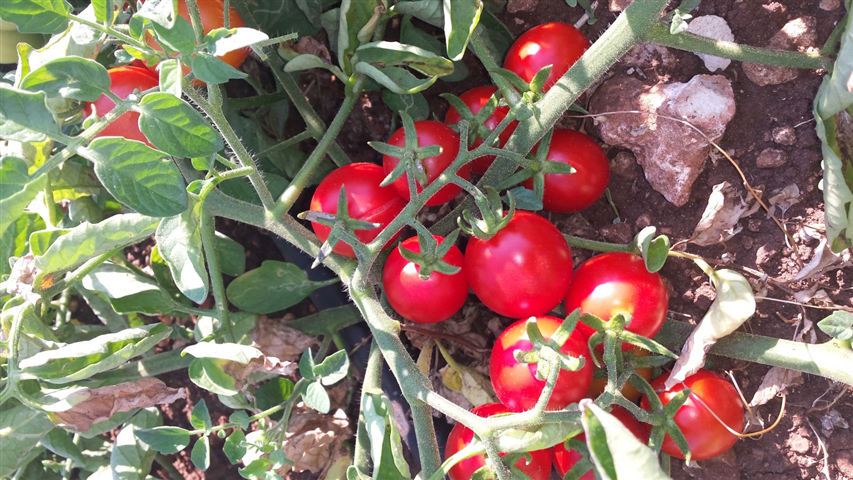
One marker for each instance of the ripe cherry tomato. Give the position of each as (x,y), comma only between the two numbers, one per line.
(576,191)
(461,436)
(564,459)
(515,382)
(123,81)
(629,391)
(366,201)
(617,282)
(212,14)
(524,270)
(430,133)
(557,44)
(476,99)
(424,301)
(705,435)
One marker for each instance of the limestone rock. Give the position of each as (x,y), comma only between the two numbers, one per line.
(771,158)
(798,34)
(715,27)
(671,153)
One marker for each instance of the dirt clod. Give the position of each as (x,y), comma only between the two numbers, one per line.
(771,158)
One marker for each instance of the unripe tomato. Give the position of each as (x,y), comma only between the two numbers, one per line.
(705,435)
(576,191)
(424,301)
(564,459)
(555,43)
(476,99)
(430,133)
(123,81)
(617,282)
(515,382)
(366,201)
(524,270)
(461,436)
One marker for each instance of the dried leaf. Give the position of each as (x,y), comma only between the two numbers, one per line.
(240,361)
(776,381)
(262,364)
(735,304)
(787,197)
(273,337)
(78,408)
(21,279)
(311,46)
(719,221)
(824,259)
(314,440)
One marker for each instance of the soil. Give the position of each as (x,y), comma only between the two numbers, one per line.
(800,447)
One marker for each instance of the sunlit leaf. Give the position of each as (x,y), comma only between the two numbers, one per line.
(36,16)
(176,128)
(272,287)
(69,77)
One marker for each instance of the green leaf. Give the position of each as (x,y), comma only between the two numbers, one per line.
(272,393)
(201,453)
(104,10)
(213,71)
(536,438)
(256,469)
(386,447)
(398,80)
(460,19)
(241,189)
(59,442)
(415,105)
(170,77)
(430,11)
(412,35)
(272,287)
(615,451)
(127,291)
(90,240)
(200,416)
(69,77)
(130,458)
(240,417)
(394,53)
(17,190)
(24,116)
(525,199)
(838,325)
(306,365)
(224,40)
(176,128)
(165,440)
(333,369)
(179,243)
(654,250)
(81,360)
(234,448)
(138,176)
(281,18)
(13,241)
(208,374)
(308,61)
(496,36)
(358,20)
(36,16)
(180,38)
(161,12)
(315,397)
(232,255)
(73,180)
(21,428)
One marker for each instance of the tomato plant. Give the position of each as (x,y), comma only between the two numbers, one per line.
(475,99)
(617,282)
(576,191)
(366,201)
(515,382)
(424,301)
(705,435)
(629,391)
(524,270)
(461,436)
(430,133)
(123,82)
(557,44)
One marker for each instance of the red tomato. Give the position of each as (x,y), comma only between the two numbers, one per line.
(617,282)
(557,44)
(524,270)
(515,382)
(366,201)
(424,301)
(461,436)
(212,14)
(476,99)
(705,435)
(564,459)
(123,81)
(430,133)
(576,191)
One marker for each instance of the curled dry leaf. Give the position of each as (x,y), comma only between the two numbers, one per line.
(313,440)
(719,221)
(240,361)
(776,381)
(78,408)
(824,259)
(786,197)
(465,325)
(262,364)
(311,46)
(21,279)
(273,337)
(735,304)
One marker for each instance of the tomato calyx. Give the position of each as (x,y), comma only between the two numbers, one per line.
(342,224)
(473,125)
(546,353)
(431,257)
(536,166)
(612,333)
(491,209)
(663,419)
(531,92)
(411,157)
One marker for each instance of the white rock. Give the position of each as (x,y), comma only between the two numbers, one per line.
(715,27)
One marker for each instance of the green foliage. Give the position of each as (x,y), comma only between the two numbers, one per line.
(36,16)
(24,116)
(615,451)
(23,428)
(165,440)
(272,287)
(839,325)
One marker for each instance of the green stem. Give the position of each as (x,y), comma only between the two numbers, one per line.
(49,204)
(257,100)
(470,450)
(195,20)
(10,390)
(500,469)
(660,34)
(596,245)
(110,31)
(170,469)
(77,275)
(298,389)
(372,382)
(299,137)
(217,286)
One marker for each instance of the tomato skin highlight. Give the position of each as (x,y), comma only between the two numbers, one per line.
(123,81)
(555,43)
(430,133)
(706,437)
(515,383)
(524,270)
(476,99)
(424,301)
(461,436)
(576,191)
(366,201)
(565,459)
(617,282)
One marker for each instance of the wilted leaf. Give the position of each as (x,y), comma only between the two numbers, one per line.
(274,338)
(824,259)
(78,408)
(725,208)
(475,386)
(20,281)
(735,304)
(312,439)
(240,361)
(786,197)
(775,381)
